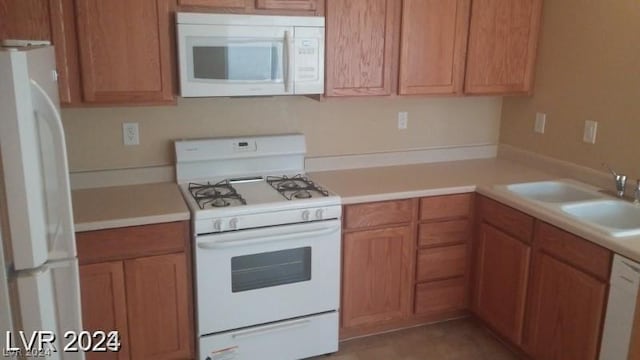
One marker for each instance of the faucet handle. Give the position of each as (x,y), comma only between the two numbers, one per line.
(621,181)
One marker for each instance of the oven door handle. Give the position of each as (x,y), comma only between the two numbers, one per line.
(237,241)
(271,329)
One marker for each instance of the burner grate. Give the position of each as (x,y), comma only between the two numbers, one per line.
(296,187)
(221,194)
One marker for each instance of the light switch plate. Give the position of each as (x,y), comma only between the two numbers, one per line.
(590,131)
(130,134)
(541,121)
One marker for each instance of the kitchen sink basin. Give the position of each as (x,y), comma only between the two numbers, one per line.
(614,217)
(552,192)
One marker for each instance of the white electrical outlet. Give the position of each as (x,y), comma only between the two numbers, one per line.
(130,134)
(403,120)
(590,131)
(541,121)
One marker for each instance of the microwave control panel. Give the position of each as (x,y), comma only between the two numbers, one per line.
(309,43)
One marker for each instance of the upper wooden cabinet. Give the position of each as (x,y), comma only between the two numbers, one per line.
(433,46)
(51,20)
(361,53)
(503,39)
(126,51)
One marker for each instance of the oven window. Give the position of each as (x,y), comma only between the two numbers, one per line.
(268,269)
(237,63)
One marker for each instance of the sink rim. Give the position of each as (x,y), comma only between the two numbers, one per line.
(588,192)
(617,232)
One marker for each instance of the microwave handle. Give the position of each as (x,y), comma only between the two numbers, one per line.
(288,67)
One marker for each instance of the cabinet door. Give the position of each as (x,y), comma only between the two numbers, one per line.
(104,305)
(360,47)
(376,276)
(565,311)
(503,40)
(159,307)
(433,46)
(126,50)
(51,20)
(502,270)
(286,4)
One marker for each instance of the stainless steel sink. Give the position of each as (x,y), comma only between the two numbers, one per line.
(553,192)
(614,217)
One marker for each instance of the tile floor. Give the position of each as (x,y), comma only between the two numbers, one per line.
(454,340)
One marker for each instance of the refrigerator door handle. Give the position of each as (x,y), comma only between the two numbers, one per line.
(61,232)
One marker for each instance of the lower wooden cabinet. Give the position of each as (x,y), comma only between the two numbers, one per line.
(376,276)
(567,299)
(104,304)
(147,299)
(566,311)
(501,276)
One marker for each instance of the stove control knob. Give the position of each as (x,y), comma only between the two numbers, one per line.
(217,225)
(319,214)
(233,223)
(306,215)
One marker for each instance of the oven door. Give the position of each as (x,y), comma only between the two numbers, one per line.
(228,60)
(258,276)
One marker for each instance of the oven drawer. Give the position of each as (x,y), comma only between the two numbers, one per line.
(286,340)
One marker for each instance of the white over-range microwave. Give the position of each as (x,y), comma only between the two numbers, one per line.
(250,55)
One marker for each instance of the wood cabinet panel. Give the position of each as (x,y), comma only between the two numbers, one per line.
(287,4)
(565,311)
(214,3)
(378,213)
(51,20)
(445,207)
(376,276)
(443,233)
(126,51)
(634,348)
(135,241)
(104,304)
(25,20)
(501,278)
(443,296)
(507,219)
(361,53)
(503,39)
(159,307)
(441,263)
(433,46)
(574,250)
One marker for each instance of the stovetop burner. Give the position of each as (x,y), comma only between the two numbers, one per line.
(296,187)
(221,194)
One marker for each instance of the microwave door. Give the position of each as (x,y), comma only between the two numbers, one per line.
(241,62)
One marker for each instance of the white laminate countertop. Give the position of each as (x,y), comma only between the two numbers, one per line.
(122,206)
(407,181)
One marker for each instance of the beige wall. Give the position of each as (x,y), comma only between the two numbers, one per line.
(332,127)
(588,69)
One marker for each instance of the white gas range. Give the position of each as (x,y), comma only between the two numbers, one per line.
(266,248)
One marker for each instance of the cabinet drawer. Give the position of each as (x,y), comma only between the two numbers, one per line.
(129,242)
(444,207)
(378,213)
(441,296)
(441,263)
(574,250)
(507,219)
(444,232)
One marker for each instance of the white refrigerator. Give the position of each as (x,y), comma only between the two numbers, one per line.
(39,284)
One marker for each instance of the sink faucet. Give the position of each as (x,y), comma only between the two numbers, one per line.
(621,183)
